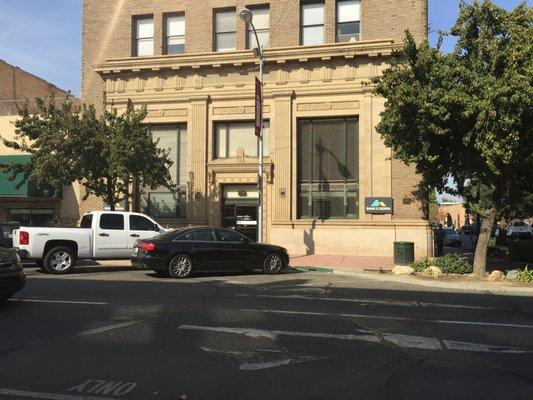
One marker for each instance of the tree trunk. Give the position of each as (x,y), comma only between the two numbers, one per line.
(110,194)
(480,256)
(135,195)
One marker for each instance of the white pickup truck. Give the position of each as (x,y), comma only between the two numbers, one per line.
(102,235)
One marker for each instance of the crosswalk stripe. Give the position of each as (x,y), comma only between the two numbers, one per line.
(406,341)
(399,303)
(437,321)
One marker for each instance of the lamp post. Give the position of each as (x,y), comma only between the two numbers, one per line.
(247,16)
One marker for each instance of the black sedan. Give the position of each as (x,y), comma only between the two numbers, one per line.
(12,278)
(180,252)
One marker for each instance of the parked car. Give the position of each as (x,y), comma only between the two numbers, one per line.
(12,278)
(451,237)
(102,235)
(6,233)
(183,251)
(518,230)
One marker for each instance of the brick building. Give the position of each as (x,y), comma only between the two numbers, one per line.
(191,63)
(29,204)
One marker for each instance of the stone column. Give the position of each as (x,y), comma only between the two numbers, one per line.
(197,148)
(281,138)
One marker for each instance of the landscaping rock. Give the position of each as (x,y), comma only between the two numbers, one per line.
(403,270)
(432,271)
(496,276)
(512,274)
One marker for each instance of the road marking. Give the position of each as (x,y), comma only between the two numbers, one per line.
(92,303)
(105,329)
(407,341)
(400,303)
(437,321)
(277,363)
(48,396)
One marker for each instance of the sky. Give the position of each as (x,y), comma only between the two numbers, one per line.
(44,36)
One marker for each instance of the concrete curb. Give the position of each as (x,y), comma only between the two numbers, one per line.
(502,288)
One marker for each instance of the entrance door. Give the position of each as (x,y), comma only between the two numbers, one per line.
(239,211)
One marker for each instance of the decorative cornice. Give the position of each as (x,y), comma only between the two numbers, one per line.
(374,48)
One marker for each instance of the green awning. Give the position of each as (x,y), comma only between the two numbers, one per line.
(8,188)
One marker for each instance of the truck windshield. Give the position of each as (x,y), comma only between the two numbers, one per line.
(86,221)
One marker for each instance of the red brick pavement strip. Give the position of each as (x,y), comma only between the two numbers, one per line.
(341,262)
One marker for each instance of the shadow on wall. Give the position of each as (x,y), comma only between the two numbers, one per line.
(309,240)
(69,210)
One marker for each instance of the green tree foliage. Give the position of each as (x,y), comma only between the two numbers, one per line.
(105,154)
(467,115)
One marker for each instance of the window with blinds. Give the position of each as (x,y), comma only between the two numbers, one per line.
(312,29)
(225,30)
(162,203)
(144,36)
(348,20)
(262,26)
(175,34)
(328,168)
(229,136)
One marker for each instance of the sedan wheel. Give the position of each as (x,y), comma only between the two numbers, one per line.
(180,267)
(273,264)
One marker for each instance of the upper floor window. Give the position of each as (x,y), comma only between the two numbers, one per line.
(175,34)
(312,16)
(232,135)
(144,36)
(348,20)
(225,30)
(262,27)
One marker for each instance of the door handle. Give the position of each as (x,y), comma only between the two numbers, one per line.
(134,235)
(104,235)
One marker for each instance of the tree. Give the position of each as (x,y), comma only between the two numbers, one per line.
(467,115)
(105,154)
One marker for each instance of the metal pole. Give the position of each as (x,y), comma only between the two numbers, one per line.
(260,177)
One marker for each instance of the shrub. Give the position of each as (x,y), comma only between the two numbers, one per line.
(449,264)
(526,275)
(521,250)
(453,264)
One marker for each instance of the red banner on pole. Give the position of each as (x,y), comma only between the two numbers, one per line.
(258,107)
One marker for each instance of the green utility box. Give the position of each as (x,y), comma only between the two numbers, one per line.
(404,253)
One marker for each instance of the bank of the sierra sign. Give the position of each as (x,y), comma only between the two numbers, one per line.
(379,205)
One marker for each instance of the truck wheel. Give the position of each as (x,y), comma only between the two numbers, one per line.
(59,260)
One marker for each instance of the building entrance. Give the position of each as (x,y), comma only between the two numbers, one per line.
(239,209)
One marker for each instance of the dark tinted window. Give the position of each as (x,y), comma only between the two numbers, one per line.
(204,235)
(138,223)
(86,221)
(112,222)
(225,235)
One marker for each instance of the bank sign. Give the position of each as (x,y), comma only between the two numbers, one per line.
(379,205)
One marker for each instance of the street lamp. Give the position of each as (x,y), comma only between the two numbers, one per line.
(247,16)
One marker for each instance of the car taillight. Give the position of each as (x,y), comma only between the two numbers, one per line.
(24,237)
(146,246)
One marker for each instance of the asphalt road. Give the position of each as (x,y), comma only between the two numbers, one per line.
(111,333)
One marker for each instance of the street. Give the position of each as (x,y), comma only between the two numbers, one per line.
(117,333)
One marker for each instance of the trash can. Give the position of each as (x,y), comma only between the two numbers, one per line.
(404,253)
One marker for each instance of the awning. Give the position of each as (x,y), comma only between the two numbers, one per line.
(8,188)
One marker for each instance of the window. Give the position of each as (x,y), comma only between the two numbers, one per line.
(328,168)
(312,16)
(87,221)
(348,20)
(225,30)
(114,222)
(262,27)
(175,34)
(229,136)
(32,217)
(225,235)
(144,36)
(199,235)
(138,223)
(162,203)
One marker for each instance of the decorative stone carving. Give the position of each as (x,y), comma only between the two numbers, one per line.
(325,106)
(238,110)
(168,113)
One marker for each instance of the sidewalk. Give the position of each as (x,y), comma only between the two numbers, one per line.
(360,263)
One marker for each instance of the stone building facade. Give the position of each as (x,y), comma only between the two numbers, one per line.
(191,64)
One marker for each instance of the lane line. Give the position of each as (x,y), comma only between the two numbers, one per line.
(400,303)
(49,396)
(92,303)
(437,321)
(407,341)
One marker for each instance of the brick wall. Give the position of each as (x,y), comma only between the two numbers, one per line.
(17,85)
(107,28)
(404,183)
